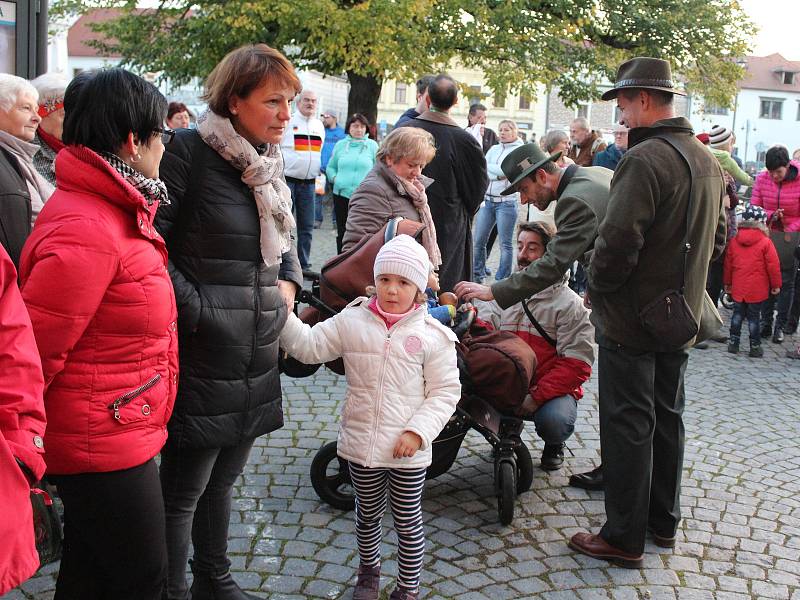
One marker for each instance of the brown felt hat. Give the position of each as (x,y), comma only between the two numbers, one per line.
(645,73)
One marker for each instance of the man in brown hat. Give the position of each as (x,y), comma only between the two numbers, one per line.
(663,226)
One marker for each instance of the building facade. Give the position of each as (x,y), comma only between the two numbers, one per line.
(766,111)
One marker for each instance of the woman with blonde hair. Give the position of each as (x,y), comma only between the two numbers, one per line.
(395,187)
(235,272)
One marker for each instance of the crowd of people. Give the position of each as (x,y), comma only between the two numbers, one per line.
(148,274)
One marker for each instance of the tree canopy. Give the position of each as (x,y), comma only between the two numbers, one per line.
(518,44)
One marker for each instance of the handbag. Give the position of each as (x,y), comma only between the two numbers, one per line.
(46,524)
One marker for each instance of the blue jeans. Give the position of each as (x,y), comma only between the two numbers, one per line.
(505,215)
(555,420)
(303,207)
(751,311)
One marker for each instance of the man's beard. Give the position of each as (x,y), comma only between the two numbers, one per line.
(522,264)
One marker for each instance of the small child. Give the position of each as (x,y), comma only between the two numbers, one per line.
(442,308)
(751,273)
(402,388)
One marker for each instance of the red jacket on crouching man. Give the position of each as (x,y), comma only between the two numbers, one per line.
(561,368)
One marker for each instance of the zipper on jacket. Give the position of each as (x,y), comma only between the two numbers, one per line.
(127,397)
(387,342)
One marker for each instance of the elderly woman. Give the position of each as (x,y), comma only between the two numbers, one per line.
(497,208)
(51,88)
(235,273)
(395,187)
(178,116)
(352,159)
(94,278)
(23,191)
(556,140)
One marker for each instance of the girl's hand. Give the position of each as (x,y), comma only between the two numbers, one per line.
(407,444)
(288,289)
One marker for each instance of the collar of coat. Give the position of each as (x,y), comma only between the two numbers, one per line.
(674,125)
(437,117)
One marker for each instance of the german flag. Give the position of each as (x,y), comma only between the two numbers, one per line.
(307,143)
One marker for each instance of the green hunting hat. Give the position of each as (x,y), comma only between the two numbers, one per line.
(646,73)
(523,161)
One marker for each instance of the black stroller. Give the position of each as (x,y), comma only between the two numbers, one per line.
(342,279)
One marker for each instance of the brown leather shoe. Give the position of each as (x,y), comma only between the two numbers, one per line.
(400,594)
(662,541)
(596,547)
(368,584)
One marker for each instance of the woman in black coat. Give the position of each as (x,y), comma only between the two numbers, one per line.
(235,273)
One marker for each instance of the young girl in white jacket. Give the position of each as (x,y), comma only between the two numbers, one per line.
(402,388)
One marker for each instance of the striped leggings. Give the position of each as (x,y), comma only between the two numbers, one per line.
(405,495)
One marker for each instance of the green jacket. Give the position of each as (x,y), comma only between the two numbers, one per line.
(729,165)
(638,254)
(580,207)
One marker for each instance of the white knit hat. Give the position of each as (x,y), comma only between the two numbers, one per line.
(719,136)
(403,256)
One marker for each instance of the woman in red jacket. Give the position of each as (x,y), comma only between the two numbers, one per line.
(95,281)
(21,431)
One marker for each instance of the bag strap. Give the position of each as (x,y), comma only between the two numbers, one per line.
(687,247)
(536,324)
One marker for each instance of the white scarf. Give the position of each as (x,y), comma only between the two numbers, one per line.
(39,188)
(263,174)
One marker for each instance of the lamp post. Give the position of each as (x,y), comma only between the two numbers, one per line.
(747,128)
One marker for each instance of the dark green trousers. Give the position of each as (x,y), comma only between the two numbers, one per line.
(642,439)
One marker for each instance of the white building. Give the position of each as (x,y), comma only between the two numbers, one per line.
(766,111)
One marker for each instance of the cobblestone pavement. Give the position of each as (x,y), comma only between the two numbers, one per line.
(740,535)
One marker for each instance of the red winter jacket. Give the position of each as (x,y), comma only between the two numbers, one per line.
(21,429)
(94,277)
(786,195)
(751,266)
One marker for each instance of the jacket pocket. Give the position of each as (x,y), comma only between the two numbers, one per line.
(133,406)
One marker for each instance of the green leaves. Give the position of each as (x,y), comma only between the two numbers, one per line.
(518,44)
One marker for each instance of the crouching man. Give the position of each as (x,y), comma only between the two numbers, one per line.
(563,343)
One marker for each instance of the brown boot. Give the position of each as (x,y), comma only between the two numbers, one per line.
(368,584)
(399,594)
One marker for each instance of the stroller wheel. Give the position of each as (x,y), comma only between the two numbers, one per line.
(330,477)
(524,468)
(506,492)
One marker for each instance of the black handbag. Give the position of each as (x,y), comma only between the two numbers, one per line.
(46,524)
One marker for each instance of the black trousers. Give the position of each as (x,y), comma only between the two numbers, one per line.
(114,542)
(341,207)
(714,279)
(198,491)
(641,440)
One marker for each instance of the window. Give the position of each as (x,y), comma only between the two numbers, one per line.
(500,99)
(400,93)
(713,109)
(771,108)
(788,78)
(524,103)
(474,94)
(798,110)
(582,111)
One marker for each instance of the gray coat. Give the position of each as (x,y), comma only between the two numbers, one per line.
(379,198)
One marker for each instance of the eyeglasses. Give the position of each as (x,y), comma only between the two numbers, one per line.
(166,134)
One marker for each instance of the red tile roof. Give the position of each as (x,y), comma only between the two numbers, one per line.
(766,73)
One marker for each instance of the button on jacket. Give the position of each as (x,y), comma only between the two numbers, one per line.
(94,278)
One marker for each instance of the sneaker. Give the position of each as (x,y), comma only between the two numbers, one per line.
(368,584)
(733,347)
(777,337)
(401,594)
(756,352)
(552,457)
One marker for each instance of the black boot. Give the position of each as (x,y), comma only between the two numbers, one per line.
(552,457)
(217,587)
(591,480)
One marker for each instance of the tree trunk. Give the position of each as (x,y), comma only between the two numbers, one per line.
(363,97)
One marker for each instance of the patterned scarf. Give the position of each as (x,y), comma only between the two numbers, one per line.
(151,189)
(263,174)
(416,191)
